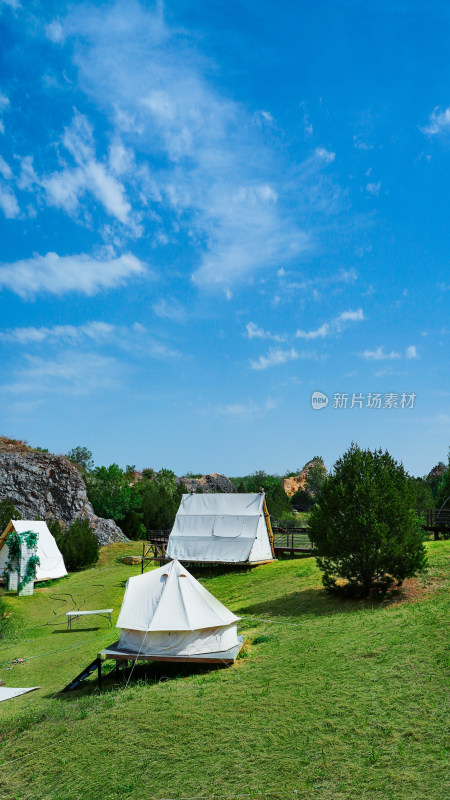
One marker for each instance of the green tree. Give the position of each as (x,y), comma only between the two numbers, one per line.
(78,544)
(277,500)
(316,474)
(82,458)
(8,511)
(301,499)
(110,493)
(160,495)
(364,527)
(422,493)
(443,488)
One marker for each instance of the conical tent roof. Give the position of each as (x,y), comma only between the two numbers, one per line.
(170,599)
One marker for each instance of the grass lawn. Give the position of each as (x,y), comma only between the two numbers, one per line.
(331,699)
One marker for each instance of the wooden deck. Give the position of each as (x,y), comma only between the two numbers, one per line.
(435,521)
(291,541)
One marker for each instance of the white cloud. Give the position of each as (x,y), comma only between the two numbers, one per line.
(4,103)
(351,316)
(14,4)
(321,332)
(5,169)
(411,352)
(8,202)
(71,373)
(135,339)
(439,122)
(335,326)
(264,116)
(169,309)
(374,188)
(379,354)
(121,158)
(245,410)
(54,32)
(95,331)
(243,207)
(274,358)
(65,188)
(325,155)
(56,274)
(253,332)
(28,177)
(321,282)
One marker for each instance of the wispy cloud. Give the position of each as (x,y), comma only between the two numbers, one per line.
(276,356)
(54,274)
(92,331)
(373,188)
(65,188)
(4,104)
(314,285)
(254,332)
(318,333)
(14,4)
(8,202)
(217,179)
(71,373)
(170,309)
(245,410)
(134,338)
(438,123)
(335,326)
(379,354)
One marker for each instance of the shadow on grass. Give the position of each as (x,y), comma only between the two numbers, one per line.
(79,630)
(313,603)
(150,673)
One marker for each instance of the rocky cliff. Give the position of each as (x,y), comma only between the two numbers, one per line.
(45,486)
(210,483)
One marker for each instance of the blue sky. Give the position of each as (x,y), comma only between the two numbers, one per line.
(209,211)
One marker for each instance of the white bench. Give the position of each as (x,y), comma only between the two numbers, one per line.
(102,612)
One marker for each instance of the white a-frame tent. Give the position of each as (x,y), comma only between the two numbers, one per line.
(167,612)
(222,528)
(51,561)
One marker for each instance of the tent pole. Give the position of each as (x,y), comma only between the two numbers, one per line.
(269,526)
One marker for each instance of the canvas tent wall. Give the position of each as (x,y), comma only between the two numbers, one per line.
(222,528)
(168,612)
(51,561)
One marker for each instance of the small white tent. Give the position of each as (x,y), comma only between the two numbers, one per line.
(168,612)
(222,528)
(51,561)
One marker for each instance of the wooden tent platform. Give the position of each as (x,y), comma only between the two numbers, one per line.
(226,657)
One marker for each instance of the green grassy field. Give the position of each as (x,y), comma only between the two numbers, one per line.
(332,699)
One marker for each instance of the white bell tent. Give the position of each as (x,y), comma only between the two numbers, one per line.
(222,528)
(167,612)
(51,561)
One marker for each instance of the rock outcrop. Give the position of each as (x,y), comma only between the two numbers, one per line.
(293,484)
(46,486)
(210,483)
